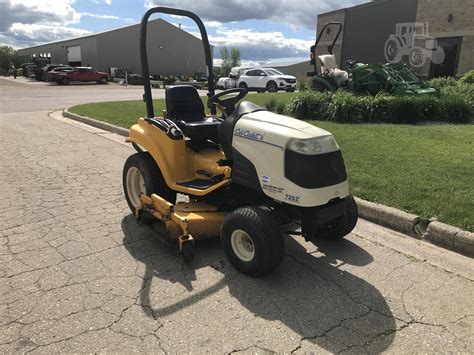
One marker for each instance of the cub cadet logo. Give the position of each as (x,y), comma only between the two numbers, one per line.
(256,136)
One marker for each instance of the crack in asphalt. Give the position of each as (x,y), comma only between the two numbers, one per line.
(369,310)
(251,347)
(409,256)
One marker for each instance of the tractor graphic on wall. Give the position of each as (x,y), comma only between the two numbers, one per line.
(411,39)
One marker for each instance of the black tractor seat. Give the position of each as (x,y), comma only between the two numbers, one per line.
(185,108)
(200,131)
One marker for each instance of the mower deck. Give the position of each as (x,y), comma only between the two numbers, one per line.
(185,220)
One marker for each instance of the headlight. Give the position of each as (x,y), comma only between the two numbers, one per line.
(313,146)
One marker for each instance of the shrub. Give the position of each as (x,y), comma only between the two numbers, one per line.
(274,105)
(271,105)
(442,82)
(462,90)
(303,83)
(280,107)
(468,78)
(303,104)
(344,107)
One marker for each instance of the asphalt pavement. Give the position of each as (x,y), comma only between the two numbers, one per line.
(77,274)
(27,95)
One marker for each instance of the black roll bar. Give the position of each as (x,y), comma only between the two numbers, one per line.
(144,57)
(318,38)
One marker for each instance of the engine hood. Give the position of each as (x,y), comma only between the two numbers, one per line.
(280,125)
(285,76)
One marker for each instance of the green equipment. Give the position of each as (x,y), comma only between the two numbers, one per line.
(396,79)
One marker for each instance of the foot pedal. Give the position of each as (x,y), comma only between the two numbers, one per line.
(213,178)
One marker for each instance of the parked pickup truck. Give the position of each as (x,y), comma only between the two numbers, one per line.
(80,74)
(53,73)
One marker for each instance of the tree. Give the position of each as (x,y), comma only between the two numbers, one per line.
(229,59)
(8,57)
(235,57)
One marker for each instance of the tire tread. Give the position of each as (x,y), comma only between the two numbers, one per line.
(152,175)
(259,224)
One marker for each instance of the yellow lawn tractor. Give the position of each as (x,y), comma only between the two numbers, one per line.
(249,175)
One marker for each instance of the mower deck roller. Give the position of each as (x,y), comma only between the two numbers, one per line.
(250,175)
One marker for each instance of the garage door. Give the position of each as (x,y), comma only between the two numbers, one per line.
(74,54)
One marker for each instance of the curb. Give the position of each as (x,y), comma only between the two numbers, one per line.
(95,123)
(440,234)
(451,238)
(388,217)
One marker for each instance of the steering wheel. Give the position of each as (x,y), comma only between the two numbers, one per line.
(351,62)
(229,103)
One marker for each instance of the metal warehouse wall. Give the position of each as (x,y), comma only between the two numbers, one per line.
(170,49)
(59,50)
(298,70)
(447,19)
(368,26)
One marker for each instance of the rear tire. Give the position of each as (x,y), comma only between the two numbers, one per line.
(272,86)
(142,175)
(65,81)
(417,57)
(252,241)
(341,226)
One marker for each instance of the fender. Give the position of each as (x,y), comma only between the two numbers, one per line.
(171,156)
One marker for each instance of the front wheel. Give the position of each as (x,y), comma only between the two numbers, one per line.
(65,81)
(272,87)
(103,80)
(142,175)
(342,226)
(252,241)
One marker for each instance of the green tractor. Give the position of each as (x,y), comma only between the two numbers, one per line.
(395,79)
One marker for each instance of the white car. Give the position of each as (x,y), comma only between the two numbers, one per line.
(266,79)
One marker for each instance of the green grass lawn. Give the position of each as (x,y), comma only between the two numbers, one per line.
(126,113)
(424,169)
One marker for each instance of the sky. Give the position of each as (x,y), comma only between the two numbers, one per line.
(263,30)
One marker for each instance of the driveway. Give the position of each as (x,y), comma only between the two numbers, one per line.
(77,274)
(27,95)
